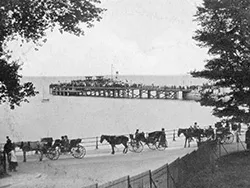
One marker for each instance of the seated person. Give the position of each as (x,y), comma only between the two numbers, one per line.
(66,142)
(136,134)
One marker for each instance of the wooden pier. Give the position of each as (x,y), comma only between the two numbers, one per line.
(146,92)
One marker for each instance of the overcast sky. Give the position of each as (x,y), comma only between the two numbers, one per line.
(139,37)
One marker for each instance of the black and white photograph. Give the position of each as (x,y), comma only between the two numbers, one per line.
(124,93)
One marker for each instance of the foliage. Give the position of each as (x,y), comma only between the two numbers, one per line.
(224,28)
(30,20)
(232,171)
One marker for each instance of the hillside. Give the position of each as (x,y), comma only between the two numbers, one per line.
(232,171)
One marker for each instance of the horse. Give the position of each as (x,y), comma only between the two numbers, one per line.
(116,140)
(31,146)
(190,134)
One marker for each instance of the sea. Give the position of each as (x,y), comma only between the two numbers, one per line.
(80,117)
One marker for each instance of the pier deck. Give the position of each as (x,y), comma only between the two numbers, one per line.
(146,92)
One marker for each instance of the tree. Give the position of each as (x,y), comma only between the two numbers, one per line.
(224,28)
(30,20)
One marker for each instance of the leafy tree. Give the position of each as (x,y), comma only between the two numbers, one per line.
(224,28)
(30,20)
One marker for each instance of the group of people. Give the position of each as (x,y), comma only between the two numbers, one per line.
(9,150)
(65,143)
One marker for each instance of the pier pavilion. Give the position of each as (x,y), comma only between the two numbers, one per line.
(144,92)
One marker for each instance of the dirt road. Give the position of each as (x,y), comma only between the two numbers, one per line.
(96,167)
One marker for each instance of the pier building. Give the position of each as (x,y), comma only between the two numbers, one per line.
(105,87)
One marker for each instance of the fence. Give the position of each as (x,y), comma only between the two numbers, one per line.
(175,174)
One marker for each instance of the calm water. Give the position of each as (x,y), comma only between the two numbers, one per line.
(85,117)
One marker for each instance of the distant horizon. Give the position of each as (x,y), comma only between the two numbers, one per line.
(110,75)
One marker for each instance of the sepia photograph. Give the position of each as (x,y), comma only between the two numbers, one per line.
(124,93)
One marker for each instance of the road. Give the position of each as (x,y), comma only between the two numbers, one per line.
(96,167)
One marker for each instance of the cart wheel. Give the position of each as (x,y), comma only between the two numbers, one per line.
(53,154)
(152,145)
(78,152)
(137,147)
(229,138)
(130,146)
(161,146)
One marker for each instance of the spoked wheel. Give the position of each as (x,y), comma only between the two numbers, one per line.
(52,154)
(130,146)
(228,138)
(78,152)
(204,138)
(161,145)
(135,146)
(152,145)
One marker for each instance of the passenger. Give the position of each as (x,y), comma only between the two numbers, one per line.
(136,134)
(63,143)
(8,140)
(196,126)
(66,143)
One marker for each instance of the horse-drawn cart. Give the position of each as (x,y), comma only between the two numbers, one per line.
(74,148)
(154,140)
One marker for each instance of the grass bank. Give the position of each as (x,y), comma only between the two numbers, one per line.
(231,171)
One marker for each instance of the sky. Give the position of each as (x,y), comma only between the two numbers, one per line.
(135,37)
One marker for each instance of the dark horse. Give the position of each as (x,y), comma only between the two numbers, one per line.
(116,140)
(190,134)
(31,146)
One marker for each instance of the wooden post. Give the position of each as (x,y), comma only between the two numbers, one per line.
(237,137)
(174,135)
(119,93)
(168,176)
(149,94)
(129,186)
(150,179)
(4,162)
(96,146)
(219,148)
(157,94)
